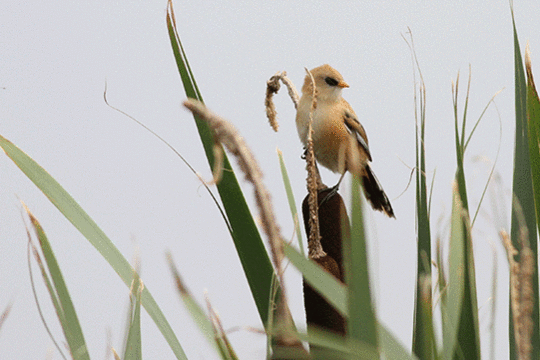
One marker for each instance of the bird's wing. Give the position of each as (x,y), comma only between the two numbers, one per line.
(354,127)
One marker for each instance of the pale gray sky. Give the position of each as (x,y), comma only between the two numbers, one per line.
(55,58)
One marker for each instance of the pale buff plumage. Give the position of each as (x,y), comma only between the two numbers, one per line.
(339,140)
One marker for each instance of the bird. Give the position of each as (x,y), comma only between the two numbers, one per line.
(340,142)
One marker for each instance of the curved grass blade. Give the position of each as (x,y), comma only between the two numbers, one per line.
(32,249)
(246,237)
(60,295)
(90,230)
(522,188)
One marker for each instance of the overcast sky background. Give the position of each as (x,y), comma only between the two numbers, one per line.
(56,56)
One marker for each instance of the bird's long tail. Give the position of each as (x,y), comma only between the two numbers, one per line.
(375,193)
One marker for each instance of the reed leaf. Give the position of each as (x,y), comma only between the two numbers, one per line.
(522,188)
(246,237)
(72,211)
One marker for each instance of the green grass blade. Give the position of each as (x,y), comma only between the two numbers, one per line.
(461,335)
(48,283)
(441,278)
(533,121)
(460,149)
(469,329)
(467,341)
(246,237)
(423,338)
(442,288)
(522,188)
(290,199)
(362,324)
(455,289)
(134,341)
(90,230)
(61,298)
(327,285)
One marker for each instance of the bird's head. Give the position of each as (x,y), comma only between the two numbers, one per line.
(328,82)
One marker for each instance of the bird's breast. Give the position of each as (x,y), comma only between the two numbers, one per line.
(329,132)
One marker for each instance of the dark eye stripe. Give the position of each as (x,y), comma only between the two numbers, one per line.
(331,81)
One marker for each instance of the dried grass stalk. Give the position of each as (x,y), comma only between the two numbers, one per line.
(272,87)
(521,291)
(314,182)
(221,338)
(315,250)
(226,133)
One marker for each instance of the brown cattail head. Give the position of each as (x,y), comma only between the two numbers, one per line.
(333,221)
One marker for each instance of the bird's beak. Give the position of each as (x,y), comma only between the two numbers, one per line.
(343,84)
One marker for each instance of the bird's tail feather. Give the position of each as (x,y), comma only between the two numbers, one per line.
(375,193)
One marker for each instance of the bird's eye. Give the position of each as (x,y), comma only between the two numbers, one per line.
(331,81)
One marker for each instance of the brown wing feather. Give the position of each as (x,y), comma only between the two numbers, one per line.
(354,127)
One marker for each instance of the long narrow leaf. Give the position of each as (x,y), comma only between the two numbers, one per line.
(362,324)
(61,298)
(460,322)
(468,333)
(460,172)
(48,283)
(246,237)
(451,317)
(90,230)
(423,337)
(522,189)
(533,121)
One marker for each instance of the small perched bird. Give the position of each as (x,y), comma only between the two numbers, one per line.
(339,140)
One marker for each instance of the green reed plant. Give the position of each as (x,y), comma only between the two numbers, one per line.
(365,337)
